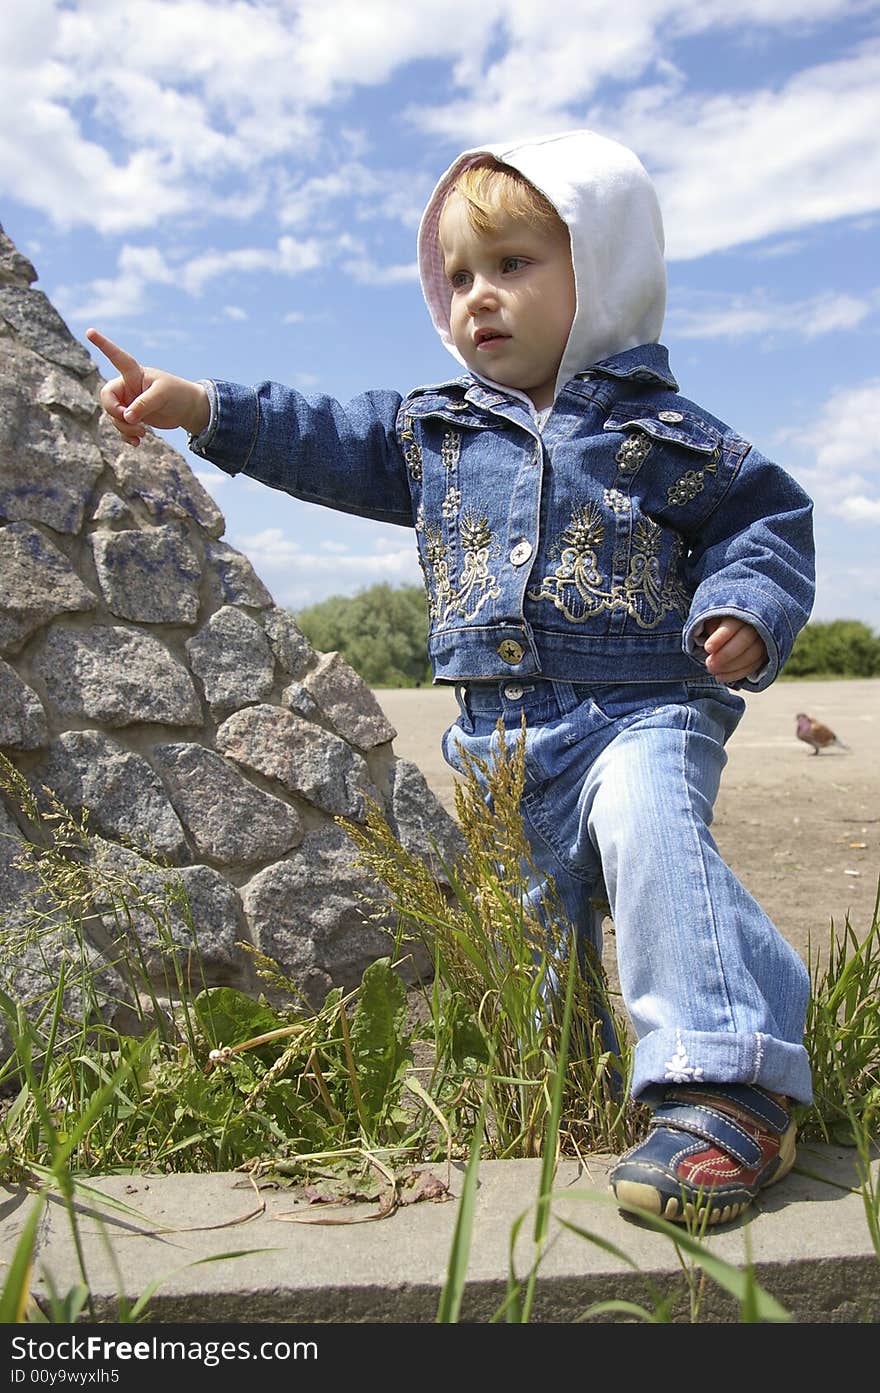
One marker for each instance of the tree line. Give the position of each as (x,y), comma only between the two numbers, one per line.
(383,633)
(837,648)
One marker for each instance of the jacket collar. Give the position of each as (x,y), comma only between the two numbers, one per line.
(647,363)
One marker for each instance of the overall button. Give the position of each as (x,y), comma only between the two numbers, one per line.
(512,691)
(511,651)
(521,553)
(671,418)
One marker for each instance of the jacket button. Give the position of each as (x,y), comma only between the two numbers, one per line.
(672,418)
(513,691)
(511,652)
(521,553)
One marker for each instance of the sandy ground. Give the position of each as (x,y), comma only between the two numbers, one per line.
(802,831)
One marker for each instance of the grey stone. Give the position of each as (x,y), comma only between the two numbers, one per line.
(302,702)
(60,392)
(38,584)
(289,644)
(112,509)
(22,717)
(15,269)
(193,915)
(232,658)
(123,796)
(98,542)
(161,480)
(40,327)
(36,937)
(308,913)
(116,677)
(348,702)
(94,992)
(229,820)
(150,575)
(303,758)
(237,581)
(48,462)
(421,824)
(19,884)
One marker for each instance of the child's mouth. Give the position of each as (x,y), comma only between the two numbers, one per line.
(485,338)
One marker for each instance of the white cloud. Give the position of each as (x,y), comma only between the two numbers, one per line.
(846,591)
(844,473)
(289,257)
(857,508)
(733,168)
(117,297)
(787,247)
(366,271)
(212,480)
(125,294)
(126,116)
(759,315)
(302,575)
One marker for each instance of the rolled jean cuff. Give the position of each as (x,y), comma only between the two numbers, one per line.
(689,1058)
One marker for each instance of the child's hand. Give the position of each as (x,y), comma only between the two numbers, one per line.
(733,649)
(142,397)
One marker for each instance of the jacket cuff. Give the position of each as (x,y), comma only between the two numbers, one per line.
(692,643)
(228,439)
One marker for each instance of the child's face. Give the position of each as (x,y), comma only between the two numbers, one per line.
(513,298)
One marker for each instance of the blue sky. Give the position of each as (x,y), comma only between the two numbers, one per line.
(232,188)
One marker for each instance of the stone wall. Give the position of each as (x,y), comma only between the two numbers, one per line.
(147,676)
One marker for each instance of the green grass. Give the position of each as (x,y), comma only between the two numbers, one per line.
(504,1060)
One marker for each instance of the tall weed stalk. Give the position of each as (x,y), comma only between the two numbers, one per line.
(499,959)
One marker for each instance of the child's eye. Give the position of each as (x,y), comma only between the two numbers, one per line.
(459,280)
(513,263)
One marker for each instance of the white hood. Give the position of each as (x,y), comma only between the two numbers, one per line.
(604,196)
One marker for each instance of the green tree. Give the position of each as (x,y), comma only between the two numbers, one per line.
(382,632)
(839,648)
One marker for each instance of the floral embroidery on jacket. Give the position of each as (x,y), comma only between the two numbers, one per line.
(435,568)
(412,452)
(689,485)
(617,501)
(644,594)
(633,452)
(479,544)
(575,586)
(450,450)
(478,584)
(451,504)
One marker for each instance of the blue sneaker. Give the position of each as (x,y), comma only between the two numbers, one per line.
(708,1153)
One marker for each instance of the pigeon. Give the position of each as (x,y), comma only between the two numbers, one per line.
(814,733)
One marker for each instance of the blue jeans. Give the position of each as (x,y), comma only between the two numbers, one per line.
(620,786)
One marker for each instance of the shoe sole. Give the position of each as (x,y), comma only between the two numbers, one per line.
(634,1194)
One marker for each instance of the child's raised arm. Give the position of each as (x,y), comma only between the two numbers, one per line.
(142,397)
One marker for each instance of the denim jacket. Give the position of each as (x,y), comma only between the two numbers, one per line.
(591,550)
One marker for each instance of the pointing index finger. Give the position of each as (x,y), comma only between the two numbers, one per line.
(124,363)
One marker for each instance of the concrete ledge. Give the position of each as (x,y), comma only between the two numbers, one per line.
(808,1241)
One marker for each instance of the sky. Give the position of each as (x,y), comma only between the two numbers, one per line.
(232,189)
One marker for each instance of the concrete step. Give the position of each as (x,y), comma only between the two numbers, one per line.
(807,1240)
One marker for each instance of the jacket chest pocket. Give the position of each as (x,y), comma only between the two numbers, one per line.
(678,458)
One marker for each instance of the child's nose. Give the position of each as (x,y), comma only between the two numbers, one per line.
(482,294)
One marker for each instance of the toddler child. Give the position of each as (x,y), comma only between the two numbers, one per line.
(607,558)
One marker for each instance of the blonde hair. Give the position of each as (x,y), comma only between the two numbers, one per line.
(491,188)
